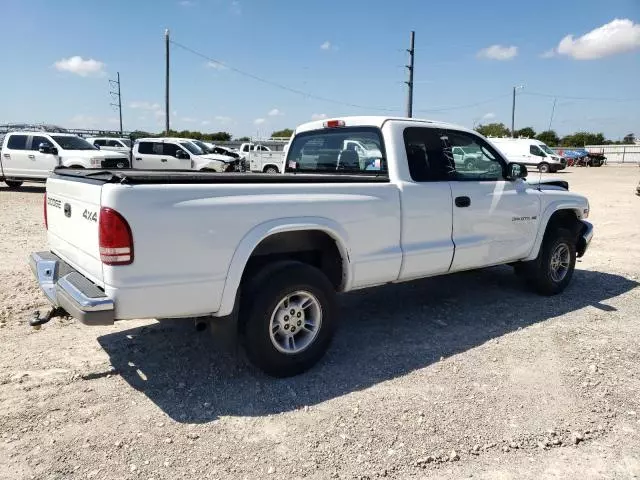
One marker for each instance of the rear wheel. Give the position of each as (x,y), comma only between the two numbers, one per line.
(544,168)
(552,270)
(271,170)
(13,183)
(287,315)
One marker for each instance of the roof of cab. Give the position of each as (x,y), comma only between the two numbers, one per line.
(374,121)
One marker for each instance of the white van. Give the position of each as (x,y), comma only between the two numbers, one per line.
(177,154)
(531,152)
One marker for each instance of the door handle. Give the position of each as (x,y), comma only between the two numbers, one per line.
(32,157)
(462,202)
(6,155)
(163,160)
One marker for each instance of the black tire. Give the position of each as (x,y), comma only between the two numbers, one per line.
(540,274)
(13,183)
(271,170)
(544,168)
(260,299)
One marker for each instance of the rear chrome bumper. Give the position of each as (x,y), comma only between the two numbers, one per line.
(585,238)
(68,289)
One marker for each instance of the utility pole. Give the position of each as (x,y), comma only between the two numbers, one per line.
(166,93)
(116,95)
(513,111)
(410,68)
(553,110)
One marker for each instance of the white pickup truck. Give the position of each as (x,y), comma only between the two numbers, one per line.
(261,158)
(271,252)
(32,156)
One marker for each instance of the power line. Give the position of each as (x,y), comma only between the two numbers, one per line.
(461,107)
(568,97)
(279,85)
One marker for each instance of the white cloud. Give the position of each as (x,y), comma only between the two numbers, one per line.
(144,106)
(88,121)
(189,119)
(186,3)
(215,65)
(318,116)
(236,8)
(204,123)
(326,45)
(548,54)
(223,119)
(275,113)
(80,66)
(488,116)
(617,36)
(498,52)
(259,121)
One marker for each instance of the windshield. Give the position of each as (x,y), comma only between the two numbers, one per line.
(203,146)
(72,143)
(126,141)
(546,149)
(192,148)
(334,150)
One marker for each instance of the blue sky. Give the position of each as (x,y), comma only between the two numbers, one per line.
(469,54)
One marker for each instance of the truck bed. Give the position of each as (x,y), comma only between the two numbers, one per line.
(150,177)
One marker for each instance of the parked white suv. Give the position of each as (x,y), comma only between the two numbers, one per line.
(177,154)
(32,156)
(121,145)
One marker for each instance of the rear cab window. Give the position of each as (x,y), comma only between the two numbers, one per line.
(349,150)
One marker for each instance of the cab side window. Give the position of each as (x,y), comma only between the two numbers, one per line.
(100,143)
(535,150)
(113,143)
(36,141)
(425,155)
(471,158)
(17,142)
(147,148)
(170,149)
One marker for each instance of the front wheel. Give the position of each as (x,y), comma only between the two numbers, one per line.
(288,317)
(552,270)
(272,170)
(13,183)
(544,168)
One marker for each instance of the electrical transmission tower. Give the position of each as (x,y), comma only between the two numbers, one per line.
(115,94)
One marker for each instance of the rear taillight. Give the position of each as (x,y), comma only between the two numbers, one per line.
(46,223)
(116,241)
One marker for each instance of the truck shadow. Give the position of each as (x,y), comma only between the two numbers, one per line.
(386,332)
(30,188)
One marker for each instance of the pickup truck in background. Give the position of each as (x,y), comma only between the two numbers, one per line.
(261,158)
(270,253)
(178,154)
(32,156)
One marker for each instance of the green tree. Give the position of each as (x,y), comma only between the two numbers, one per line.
(286,133)
(219,136)
(629,138)
(550,137)
(580,139)
(493,130)
(243,139)
(526,132)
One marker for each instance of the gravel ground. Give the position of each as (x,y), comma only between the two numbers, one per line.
(468,375)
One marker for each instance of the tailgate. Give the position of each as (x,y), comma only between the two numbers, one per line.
(73,209)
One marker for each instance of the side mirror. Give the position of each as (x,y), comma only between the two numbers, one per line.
(182,155)
(44,148)
(516,170)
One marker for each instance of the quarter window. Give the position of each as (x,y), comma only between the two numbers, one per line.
(17,142)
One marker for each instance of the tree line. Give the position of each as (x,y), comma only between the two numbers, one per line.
(205,137)
(551,138)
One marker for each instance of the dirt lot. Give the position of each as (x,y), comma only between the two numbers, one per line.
(464,376)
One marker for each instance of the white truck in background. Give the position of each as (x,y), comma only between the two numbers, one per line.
(178,154)
(261,158)
(33,155)
(267,254)
(112,144)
